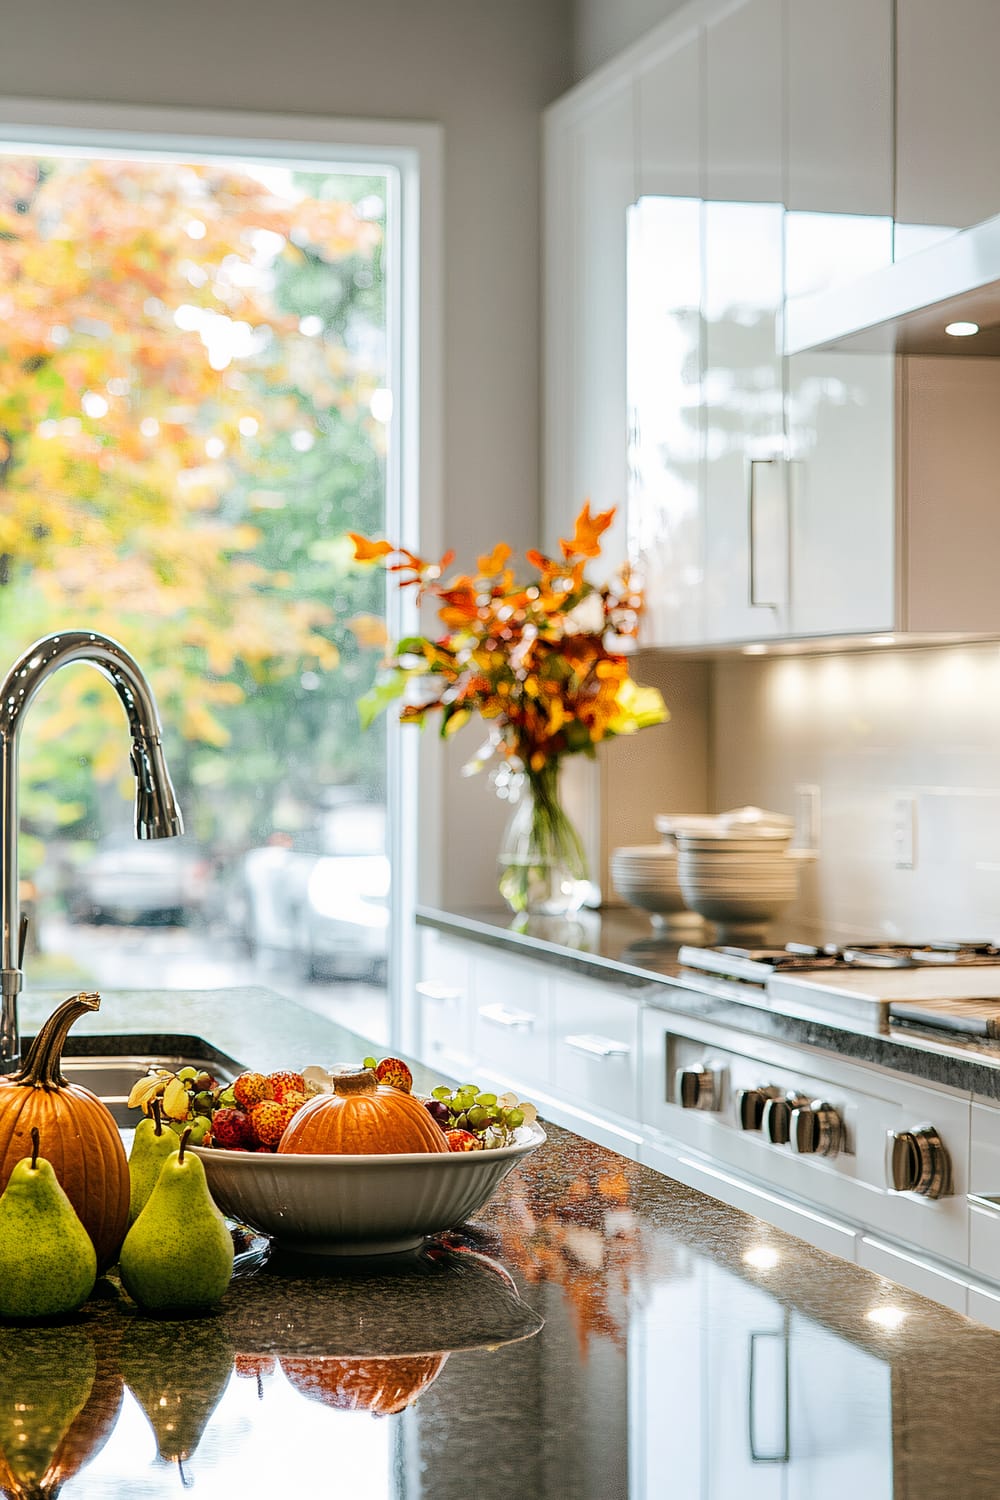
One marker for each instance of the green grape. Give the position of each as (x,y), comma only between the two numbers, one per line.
(187,1075)
(478,1118)
(226,1099)
(200,1127)
(513,1118)
(441,1093)
(370,1062)
(204,1102)
(486,1098)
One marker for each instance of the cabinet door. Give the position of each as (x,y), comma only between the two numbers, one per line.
(590,182)
(666,520)
(746,471)
(948,119)
(840,1417)
(838,225)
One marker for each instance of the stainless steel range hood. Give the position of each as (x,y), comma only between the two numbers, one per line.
(903,308)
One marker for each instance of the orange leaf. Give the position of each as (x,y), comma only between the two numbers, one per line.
(366,551)
(585,541)
(490,564)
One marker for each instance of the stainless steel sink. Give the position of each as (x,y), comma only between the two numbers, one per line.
(115,1063)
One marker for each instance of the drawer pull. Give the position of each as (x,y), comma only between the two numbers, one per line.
(597,1046)
(431,991)
(502,1015)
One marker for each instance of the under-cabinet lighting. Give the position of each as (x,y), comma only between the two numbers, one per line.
(886,1317)
(757,649)
(761,1257)
(961,330)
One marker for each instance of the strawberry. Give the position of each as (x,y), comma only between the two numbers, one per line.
(284,1082)
(269,1119)
(393,1071)
(250,1089)
(461,1140)
(231,1127)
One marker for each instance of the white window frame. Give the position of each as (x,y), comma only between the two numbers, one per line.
(414,477)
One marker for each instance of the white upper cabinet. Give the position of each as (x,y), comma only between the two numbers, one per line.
(838,225)
(745,470)
(589,184)
(947,119)
(666,498)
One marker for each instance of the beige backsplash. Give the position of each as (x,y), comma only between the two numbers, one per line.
(867,728)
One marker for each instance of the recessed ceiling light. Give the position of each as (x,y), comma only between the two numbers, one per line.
(961,330)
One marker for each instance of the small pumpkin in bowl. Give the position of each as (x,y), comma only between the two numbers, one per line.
(362,1117)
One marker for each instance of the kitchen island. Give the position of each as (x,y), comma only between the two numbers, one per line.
(600,1331)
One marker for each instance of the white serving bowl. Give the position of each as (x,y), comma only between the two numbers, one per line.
(358,1205)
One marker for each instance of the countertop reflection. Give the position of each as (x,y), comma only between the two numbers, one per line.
(600,1332)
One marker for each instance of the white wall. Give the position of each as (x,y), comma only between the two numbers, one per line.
(867,729)
(482,70)
(606,27)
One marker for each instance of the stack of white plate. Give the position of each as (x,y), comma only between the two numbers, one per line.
(645,875)
(737,870)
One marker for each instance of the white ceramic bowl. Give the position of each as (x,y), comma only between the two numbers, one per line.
(358,1205)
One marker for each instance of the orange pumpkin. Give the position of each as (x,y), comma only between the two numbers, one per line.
(362,1117)
(381,1385)
(78,1133)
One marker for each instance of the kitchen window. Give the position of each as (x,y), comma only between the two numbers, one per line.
(209,347)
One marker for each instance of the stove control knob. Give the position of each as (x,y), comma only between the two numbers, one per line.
(816,1129)
(750,1104)
(777,1117)
(917,1161)
(699,1087)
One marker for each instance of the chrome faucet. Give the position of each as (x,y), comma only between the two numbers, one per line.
(157,815)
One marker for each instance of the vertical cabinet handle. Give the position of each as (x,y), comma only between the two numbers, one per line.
(768,553)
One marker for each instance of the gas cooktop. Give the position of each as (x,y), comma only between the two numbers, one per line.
(954,986)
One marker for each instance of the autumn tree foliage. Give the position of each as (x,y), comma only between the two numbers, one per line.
(188,357)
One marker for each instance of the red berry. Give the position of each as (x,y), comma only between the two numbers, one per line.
(269,1120)
(231,1127)
(250,1089)
(461,1140)
(393,1071)
(280,1084)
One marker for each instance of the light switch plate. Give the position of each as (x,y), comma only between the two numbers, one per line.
(904,831)
(807,815)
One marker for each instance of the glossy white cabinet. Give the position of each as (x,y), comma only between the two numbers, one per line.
(840,406)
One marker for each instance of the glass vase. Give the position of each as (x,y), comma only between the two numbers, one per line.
(543,867)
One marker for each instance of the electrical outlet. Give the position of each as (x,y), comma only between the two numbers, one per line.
(904,832)
(807,818)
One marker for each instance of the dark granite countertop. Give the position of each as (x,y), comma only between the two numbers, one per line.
(621,947)
(599,1333)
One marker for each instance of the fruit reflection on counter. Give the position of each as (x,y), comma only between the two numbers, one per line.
(48,1265)
(179,1251)
(60,1395)
(79,1134)
(383,1386)
(158,1361)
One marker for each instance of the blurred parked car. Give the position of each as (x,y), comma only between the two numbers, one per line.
(145,883)
(326,906)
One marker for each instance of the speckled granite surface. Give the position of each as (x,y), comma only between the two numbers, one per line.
(618,946)
(600,1333)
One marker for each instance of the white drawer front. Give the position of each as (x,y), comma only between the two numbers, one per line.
(511,1019)
(596,1046)
(984,1185)
(444,1006)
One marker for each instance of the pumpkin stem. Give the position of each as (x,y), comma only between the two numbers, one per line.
(354,1080)
(157,1109)
(42,1063)
(34,1147)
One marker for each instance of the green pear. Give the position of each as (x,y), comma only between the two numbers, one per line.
(151,1146)
(46,1379)
(48,1264)
(179,1252)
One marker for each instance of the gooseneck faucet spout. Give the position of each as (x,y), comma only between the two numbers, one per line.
(157,815)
